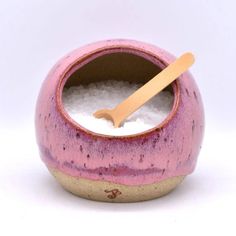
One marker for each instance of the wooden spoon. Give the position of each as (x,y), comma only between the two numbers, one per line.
(118,114)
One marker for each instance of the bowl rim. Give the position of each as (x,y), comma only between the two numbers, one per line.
(99,51)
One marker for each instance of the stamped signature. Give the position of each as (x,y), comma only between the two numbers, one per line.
(112,193)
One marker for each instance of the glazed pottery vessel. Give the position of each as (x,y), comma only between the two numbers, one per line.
(110,168)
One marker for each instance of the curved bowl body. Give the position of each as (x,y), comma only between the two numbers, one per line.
(122,169)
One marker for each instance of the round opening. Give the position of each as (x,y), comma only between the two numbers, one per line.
(105,78)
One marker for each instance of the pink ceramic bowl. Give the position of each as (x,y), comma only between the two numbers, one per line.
(121,169)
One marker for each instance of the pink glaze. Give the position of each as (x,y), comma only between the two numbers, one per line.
(169,150)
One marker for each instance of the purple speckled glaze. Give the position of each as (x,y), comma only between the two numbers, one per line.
(168,150)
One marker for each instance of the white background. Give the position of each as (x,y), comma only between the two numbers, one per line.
(35,34)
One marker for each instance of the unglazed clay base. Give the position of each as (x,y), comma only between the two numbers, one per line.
(111,192)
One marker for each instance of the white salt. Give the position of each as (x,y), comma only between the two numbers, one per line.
(82,101)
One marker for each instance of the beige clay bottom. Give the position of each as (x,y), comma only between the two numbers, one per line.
(111,192)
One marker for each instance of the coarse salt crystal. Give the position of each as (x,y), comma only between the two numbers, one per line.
(82,101)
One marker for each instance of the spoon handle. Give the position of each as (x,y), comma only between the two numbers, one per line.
(151,88)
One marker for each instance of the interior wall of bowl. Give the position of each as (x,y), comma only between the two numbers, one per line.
(115,66)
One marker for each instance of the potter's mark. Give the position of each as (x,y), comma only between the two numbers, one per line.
(112,193)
